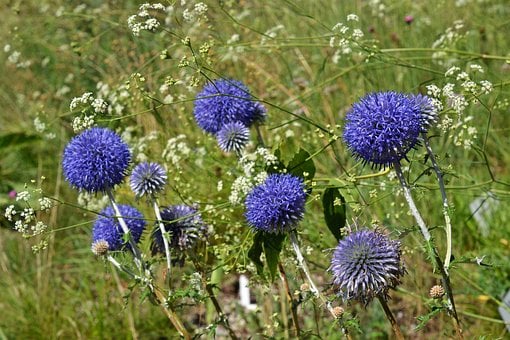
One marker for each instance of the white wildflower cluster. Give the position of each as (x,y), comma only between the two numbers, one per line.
(140,146)
(92,202)
(196,13)
(234,50)
(88,107)
(451,35)
(345,38)
(116,98)
(145,20)
(176,150)
(45,204)
(462,90)
(377,7)
(41,127)
(271,33)
(465,133)
(15,57)
(24,216)
(253,167)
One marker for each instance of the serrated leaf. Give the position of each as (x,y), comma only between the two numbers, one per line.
(255,252)
(302,165)
(334,213)
(272,248)
(424,319)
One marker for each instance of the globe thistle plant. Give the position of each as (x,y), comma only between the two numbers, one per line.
(107,229)
(276,205)
(184,225)
(226,101)
(96,160)
(366,264)
(383,127)
(233,137)
(147,179)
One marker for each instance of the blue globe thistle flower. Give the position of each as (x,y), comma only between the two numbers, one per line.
(366,264)
(147,179)
(185,226)
(225,101)
(383,127)
(107,228)
(96,160)
(233,137)
(277,205)
(428,111)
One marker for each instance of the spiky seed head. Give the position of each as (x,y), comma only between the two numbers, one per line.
(184,226)
(233,137)
(100,247)
(147,179)
(436,292)
(366,264)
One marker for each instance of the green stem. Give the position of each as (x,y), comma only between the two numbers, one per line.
(164,235)
(446,206)
(391,318)
(434,253)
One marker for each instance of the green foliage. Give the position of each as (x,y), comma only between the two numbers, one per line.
(292,59)
(333,204)
(271,245)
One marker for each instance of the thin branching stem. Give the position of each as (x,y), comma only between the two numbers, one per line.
(304,268)
(164,236)
(428,239)
(293,308)
(446,206)
(313,287)
(125,229)
(391,318)
(167,309)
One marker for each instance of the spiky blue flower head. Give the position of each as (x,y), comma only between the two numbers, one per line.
(276,205)
(381,128)
(225,101)
(147,179)
(96,160)
(107,228)
(366,264)
(428,111)
(233,137)
(185,226)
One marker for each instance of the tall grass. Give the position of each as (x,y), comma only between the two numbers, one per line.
(283,53)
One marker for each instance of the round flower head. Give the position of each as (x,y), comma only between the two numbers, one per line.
(233,137)
(107,228)
(428,112)
(382,127)
(276,205)
(185,226)
(225,101)
(147,179)
(96,160)
(366,264)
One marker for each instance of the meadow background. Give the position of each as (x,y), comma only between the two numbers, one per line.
(53,51)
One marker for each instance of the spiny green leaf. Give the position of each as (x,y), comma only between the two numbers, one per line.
(333,204)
